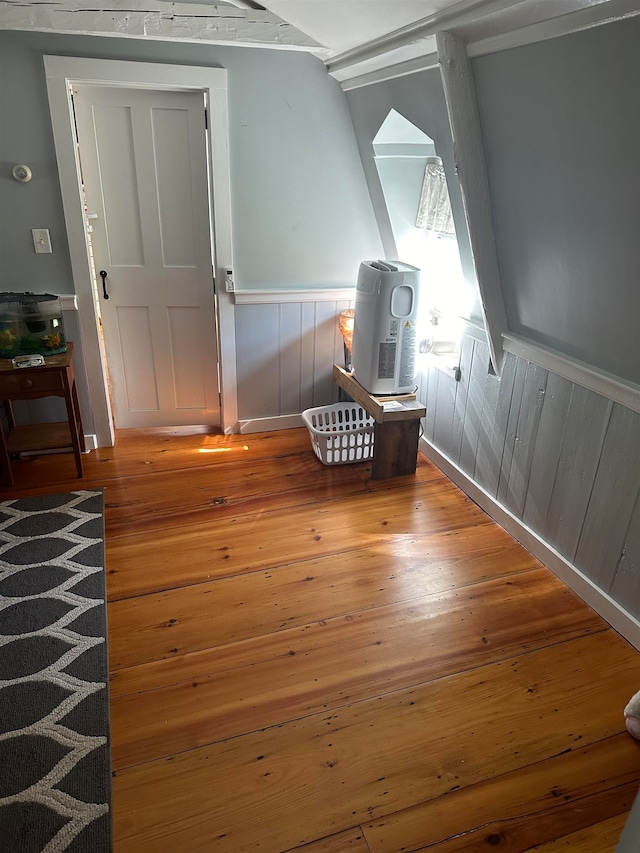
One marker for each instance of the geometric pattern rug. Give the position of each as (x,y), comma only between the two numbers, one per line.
(55,772)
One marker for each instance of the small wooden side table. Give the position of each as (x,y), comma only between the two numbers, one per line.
(56,378)
(396,431)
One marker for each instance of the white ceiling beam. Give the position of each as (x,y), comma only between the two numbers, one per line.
(422,30)
(426,62)
(245,4)
(572,22)
(485,25)
(155,19)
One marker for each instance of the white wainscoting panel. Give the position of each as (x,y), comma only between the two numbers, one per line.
(559,460)
(286,353)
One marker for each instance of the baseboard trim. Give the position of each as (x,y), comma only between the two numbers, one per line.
(269,424)
(68,302)
(90,442)
(610,610)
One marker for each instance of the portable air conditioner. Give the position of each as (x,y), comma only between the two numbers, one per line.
(384,334)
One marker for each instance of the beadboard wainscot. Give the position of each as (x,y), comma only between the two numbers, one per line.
(287,342)
(553,461)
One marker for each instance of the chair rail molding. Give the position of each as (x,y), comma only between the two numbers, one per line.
(276,297)
(587,375)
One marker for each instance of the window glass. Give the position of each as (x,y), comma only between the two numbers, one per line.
(415,190)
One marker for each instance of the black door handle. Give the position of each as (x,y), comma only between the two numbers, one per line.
(103,276)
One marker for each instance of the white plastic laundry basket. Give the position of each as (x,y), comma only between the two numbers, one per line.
(340,433)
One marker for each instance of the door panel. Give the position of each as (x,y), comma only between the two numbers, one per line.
(136,361)
(120,202)
(175,200)
(189,384)
(143,156)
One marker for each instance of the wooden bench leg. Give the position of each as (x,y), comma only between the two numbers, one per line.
(395,448)
(75,423)
(6,473)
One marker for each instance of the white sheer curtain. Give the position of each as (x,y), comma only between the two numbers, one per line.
(434,209)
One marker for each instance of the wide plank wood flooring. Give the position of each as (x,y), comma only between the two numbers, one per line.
(303,659)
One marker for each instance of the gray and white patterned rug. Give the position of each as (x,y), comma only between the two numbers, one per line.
(55,775)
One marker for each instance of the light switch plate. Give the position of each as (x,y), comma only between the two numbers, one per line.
(41,240)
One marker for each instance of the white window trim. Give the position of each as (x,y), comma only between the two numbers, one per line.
(460,95)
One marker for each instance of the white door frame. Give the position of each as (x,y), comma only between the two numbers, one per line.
(61,73)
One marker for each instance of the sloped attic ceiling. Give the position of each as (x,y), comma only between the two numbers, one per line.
(224,22)
(328,28)
(342,25)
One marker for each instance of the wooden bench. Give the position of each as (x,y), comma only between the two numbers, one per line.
(396,430)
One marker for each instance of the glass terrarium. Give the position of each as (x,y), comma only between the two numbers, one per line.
(30,323)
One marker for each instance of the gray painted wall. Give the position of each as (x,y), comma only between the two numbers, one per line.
(401,180)
(562,141)
(300,207)
(301,213)
(561,130)
(562,459)
(26,137)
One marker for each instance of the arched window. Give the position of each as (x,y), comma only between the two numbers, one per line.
(414,184)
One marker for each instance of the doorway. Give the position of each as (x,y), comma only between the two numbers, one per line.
(144,174)
(209,86)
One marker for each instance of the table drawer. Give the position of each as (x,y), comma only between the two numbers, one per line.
(20,383)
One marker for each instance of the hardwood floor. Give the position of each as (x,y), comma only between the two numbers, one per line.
(304,659)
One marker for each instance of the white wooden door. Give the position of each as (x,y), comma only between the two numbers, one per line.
(144,170)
